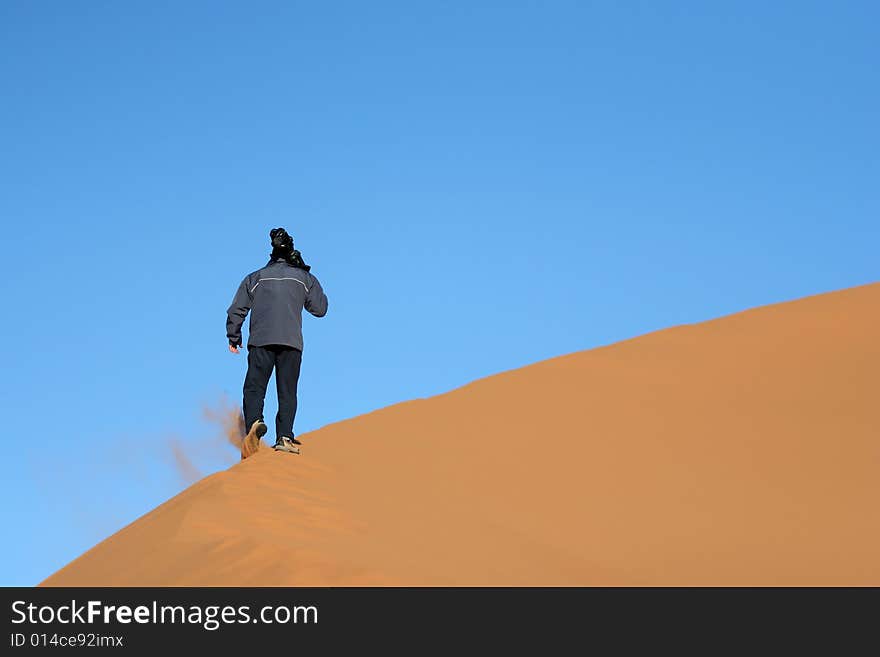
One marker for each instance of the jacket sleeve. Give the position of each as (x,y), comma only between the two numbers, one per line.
(237,311)
(316,300)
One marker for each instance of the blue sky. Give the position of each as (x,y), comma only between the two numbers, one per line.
(478,186)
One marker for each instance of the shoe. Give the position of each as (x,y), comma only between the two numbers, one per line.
(285,444)
(252,442)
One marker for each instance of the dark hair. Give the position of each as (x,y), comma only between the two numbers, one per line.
(281,241)
(282,247)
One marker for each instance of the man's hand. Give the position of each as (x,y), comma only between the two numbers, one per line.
(233,349)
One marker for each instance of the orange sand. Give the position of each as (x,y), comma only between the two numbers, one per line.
(740,451)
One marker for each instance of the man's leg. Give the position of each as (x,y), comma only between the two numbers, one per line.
(260,364)
(287,366)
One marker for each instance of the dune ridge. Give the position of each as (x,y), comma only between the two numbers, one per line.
(743,450)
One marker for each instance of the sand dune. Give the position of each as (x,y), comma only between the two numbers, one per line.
(739,451)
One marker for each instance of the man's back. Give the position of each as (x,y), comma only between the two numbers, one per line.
(275,296)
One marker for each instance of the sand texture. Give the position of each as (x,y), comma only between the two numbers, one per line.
(739,451)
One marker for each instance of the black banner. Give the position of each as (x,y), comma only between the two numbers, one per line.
(425,619)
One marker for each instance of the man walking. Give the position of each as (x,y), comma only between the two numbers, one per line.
(275,296)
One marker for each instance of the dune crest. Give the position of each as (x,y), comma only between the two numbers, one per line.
(739,451)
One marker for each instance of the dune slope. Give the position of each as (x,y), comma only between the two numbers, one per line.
(739,451)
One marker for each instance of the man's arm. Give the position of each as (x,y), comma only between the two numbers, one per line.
(238,310)
(316,300)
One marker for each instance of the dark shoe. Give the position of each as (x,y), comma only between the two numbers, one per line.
(252,442)
(259,427)
(285,444)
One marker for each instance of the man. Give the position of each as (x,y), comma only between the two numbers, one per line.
(275,296)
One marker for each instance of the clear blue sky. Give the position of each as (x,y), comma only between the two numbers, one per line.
(478,185)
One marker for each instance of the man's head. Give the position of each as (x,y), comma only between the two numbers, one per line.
(282,247)
(282,243)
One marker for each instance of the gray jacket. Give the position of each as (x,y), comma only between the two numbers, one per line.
(275,296)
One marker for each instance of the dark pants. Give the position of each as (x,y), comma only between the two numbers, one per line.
(261,360)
